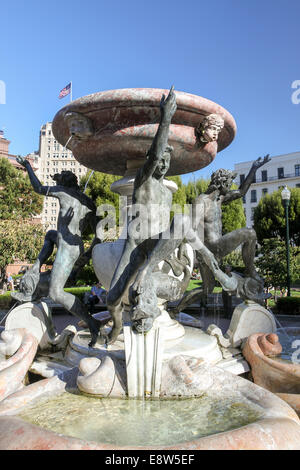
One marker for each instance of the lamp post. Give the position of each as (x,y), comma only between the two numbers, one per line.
(285,195)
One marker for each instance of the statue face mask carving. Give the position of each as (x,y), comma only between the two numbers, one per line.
(80,126)
(211,133)
(209,129)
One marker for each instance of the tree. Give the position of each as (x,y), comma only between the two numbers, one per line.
(269,217)
(17,197)
(98,189)
(179,197)
(271,263)
(193,189)
(233,215)
(19,241)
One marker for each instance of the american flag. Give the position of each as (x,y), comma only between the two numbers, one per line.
(65,91)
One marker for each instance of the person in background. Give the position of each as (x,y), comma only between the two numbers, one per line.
(10,282)
(97,295)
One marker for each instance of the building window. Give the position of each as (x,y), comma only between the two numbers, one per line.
(280,173)
(297,185)
(264,191)
(242,178)
(253,195)
(252,213)
(264,175)
(297,170)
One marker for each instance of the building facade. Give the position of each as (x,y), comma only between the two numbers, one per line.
(4,152)
(54,158)
(280,171)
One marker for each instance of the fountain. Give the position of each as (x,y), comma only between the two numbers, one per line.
(161,371)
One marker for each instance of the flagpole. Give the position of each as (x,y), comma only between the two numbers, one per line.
(71,92)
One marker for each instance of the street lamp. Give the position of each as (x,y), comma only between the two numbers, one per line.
(286,195)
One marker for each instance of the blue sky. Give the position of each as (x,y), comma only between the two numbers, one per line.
(242,54)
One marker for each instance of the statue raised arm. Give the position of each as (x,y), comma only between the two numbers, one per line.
(245,185)
(155,155)
(36,184)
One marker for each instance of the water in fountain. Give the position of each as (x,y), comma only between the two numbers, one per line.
(68,141)
(289,339)
(142,422)
(282,328)
(91,174)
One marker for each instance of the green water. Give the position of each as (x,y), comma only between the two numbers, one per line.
(139,423)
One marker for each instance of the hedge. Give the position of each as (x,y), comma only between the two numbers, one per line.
(288,305)
(6,300)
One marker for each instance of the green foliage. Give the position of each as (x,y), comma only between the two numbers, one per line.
(272,266)
(233,215)
(288,305)
(78,291)
(234,260)
(179,197)
(87,276)
(17,198)
(98,189)
(19,240)
(193,189)
(5,300)
(269,217)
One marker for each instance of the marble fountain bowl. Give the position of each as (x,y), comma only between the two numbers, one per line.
(275,363)
(226,412)
(124,124)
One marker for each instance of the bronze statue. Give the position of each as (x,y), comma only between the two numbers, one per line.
(76,212)
(153,201)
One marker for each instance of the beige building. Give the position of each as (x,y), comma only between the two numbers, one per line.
(54,158)
(280,171)
(4,152)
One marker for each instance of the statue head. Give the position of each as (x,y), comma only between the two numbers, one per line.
(80,126)
(209,129)
(66,178)
(163,164)
(221,180)
(27,284)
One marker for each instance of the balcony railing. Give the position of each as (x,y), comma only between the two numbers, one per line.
(274,178)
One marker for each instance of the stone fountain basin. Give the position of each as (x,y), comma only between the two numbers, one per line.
(278,376)
(277,428)
(125,122)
